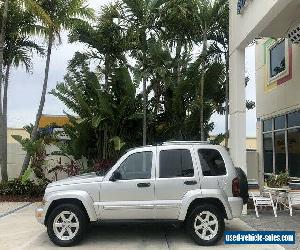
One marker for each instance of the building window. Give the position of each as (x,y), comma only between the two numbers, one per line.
(280,160)
(279,122)
(294,119)
(267,125)
(277,59)
(268,153)
(281,144)
(294,151)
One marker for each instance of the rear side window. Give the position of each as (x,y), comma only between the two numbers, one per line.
(175,163)
(212,163)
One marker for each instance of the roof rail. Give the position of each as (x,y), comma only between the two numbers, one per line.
(185,142)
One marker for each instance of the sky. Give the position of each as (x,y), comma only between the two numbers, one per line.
(25,89)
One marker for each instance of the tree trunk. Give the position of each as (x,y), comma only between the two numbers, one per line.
(2,40)
(106,82)
(227,100)
(177,60)
(4,127)
(204,55)
(42,101)
(144,111)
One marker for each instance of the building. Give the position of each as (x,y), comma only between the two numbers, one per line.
(278,105)
(15,153)
(277,79)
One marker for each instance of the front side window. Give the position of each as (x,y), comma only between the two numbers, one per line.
(136,166)
(175,163)
(277,59)
(212,162)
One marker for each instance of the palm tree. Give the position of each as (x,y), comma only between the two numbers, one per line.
(140,16)
(210,12)
(2,39)
(107,45)
(38,11)
(64,14)
(17,50)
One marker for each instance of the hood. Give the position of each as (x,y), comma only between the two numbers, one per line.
(84,178)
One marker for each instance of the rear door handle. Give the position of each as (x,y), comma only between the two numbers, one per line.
(143,185)
(190,183)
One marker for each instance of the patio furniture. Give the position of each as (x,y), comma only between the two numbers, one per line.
(263,199)
(294,199)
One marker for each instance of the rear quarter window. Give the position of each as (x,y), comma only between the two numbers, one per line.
(212,163)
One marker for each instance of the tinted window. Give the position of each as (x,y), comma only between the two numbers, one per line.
(175,163)
(277,59)
(280,156)
(294,119)
(268,152)
(212,163)
(280,122)
(136,166)
(267,125)
(294,152)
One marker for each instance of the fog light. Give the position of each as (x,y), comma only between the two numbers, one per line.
(39,214)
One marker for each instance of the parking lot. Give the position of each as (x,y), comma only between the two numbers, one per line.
(19,230)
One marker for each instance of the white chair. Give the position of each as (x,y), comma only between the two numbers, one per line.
(294,199)
(263,199)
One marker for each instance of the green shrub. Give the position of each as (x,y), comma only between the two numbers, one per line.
(19,187)
(276,181)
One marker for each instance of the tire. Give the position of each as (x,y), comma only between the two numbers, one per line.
(74,225)
(243,185)
(210,214)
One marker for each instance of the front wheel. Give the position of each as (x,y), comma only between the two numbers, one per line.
(205,224)
(66,225)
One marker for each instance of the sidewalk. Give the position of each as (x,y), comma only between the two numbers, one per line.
(20,230)
(284,222)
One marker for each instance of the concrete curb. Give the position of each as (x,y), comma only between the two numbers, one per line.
(15,210)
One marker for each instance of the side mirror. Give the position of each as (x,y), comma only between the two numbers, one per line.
(115,176)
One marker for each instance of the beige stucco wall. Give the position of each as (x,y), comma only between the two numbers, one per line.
(283,98)
(15,155)
(260,18)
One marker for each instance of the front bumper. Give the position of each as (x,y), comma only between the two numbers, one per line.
(40,215)
(236,205)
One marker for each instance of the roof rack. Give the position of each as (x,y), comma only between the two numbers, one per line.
(185,142)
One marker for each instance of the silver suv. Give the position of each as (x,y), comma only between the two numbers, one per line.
(190,182)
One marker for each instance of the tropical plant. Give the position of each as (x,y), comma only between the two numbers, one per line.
(83,93)
(64,14)
(107,45)
(18,50)
(36,149)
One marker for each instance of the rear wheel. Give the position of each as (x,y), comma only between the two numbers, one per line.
(66,225)
(205,224)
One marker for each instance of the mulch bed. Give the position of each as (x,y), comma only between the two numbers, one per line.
(19,198)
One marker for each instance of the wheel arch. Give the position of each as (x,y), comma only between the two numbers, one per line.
(81,199)
(213,196)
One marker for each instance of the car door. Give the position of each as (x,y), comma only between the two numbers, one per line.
(175,176)
(132,195)
(213,166)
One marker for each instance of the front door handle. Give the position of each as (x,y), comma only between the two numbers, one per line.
(144,185)
(190,183)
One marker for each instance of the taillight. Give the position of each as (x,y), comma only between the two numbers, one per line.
(236,187)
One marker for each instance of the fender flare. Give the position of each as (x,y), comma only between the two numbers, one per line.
(192,195)
(80,195)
